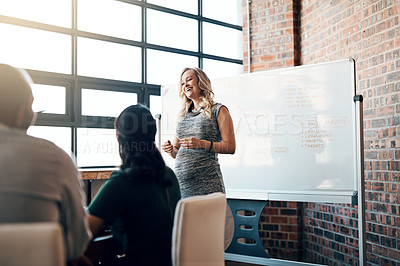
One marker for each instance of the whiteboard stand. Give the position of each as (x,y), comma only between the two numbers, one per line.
(305,105)
(358,99)
(265,261)
(246,227)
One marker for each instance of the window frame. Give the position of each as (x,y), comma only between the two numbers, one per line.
(74,83)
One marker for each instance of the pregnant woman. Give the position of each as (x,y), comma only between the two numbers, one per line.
(204,130)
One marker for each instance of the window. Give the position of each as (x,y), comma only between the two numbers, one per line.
(106,103)
(165,67)
(219,69)
(97,147)
(224,10)
(90,59)
(229,47)
(160,31)
(111,18)
(51,12)
(61,136)
(189,6)
(48,99)
(35,49)
(109,60)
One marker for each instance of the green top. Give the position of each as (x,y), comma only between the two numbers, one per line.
(141,215)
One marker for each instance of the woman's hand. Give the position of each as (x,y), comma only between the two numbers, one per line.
(171,147)
(191,143)
(167,147)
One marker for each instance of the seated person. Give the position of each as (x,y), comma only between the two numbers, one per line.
(39,181)
(139,200)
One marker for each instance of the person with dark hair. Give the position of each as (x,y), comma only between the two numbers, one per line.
(139,199)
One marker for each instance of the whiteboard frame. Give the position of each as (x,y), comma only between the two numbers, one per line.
(323,196)
(347,195)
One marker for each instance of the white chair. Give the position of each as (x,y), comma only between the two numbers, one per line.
(198,232)
(33,244)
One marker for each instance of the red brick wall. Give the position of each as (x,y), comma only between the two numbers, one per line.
(281,230)
(273,34)
(368,31)
(285,33)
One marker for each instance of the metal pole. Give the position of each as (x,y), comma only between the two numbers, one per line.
(361,188)
(158,140)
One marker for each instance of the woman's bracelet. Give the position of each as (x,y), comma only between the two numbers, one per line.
(211,144)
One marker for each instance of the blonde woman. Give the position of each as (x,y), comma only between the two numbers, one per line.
(204,129)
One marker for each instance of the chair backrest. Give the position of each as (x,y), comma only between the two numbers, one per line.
(198,232)
(34,244)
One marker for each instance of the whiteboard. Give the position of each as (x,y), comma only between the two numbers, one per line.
(296,133)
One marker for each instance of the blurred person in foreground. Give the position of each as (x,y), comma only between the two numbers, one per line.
(38,181)
(139,199)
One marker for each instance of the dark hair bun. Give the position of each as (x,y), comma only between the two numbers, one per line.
(137,124)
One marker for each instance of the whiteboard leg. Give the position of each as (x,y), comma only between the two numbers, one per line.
(250,232)
(361,186)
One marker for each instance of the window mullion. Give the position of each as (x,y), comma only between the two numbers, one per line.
(200,33)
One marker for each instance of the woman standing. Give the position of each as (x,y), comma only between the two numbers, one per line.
(139,200)
(204,129)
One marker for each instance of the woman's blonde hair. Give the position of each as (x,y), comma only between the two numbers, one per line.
(207,95)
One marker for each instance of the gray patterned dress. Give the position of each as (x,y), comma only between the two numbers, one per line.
(198,170)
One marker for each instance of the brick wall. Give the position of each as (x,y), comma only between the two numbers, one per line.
(290,32)
(331,234)
(274,34)
(281,230)
(368,31)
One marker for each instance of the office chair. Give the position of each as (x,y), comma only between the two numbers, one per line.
(198,232)
(34,244)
